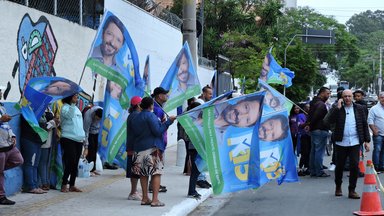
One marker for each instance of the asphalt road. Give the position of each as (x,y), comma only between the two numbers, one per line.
(310,196)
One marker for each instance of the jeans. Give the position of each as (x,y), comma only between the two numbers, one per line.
(8,160)
(342,153)
(378,152)
(31,152)
(44,166)
(194,173)
(92,149)
(318,143)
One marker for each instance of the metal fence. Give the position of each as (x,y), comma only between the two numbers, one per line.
(89,12)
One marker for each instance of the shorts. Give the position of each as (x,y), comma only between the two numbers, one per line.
(148,162)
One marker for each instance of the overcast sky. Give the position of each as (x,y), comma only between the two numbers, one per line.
(342,10)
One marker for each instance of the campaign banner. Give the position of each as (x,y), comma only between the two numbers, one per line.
(272,72)
(113,55)
(39,93)
(147,77)
(229,129)
(274,101)
(181,80)
(276,157)
(195,133)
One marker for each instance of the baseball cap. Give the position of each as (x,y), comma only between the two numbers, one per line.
(159,90)
(135,100)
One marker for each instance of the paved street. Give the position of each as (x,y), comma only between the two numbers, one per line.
(311,196)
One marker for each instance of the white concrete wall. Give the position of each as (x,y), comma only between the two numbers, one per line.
(150,35)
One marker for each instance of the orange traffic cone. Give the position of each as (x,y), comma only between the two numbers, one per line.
(361,164)
(370,202)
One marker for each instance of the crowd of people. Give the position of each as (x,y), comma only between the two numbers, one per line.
(346,122)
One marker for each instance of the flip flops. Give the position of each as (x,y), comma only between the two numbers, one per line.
(37,191)
(148,202)
(158,204)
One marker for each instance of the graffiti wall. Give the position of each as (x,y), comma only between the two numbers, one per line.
(35,44)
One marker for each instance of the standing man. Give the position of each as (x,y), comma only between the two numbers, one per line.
(376,123)
(358,96)
(91,124)
(350,132)
(319,132)
(160,97)
(207,93)
(10,156)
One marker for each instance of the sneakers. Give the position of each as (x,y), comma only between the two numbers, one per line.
(332,167)
(203,184)
(5,201)
(136,196)
(195,196)
(323,175)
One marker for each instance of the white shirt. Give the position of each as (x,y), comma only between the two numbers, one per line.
(376,117)
(350,136)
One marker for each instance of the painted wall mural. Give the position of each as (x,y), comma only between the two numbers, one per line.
(37,47)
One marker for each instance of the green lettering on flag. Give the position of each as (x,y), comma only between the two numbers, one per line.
(212,147)
(117,141)
(112,75)
(193,134)
(173,103)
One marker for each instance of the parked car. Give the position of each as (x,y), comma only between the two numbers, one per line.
(370,102)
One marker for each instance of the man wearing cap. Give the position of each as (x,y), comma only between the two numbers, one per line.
(160,96)
(91,125)
(134,110)
(10,156)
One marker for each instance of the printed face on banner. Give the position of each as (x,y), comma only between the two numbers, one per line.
(276,152)
(56,87)
(273,100)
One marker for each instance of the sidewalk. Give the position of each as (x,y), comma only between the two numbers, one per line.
(107,195)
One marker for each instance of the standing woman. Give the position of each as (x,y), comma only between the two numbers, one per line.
(294,126)
(149,148)
(72,138)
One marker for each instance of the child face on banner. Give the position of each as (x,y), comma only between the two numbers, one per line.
(115,90)
(274,128)
(243,114)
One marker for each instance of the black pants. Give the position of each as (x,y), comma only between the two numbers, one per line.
(194,172)
(71,155)
(92,149)
(342,153)
(305,142)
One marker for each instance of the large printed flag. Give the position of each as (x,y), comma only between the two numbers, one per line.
(113,55)
(272,72)
(230,129)
(39,93)
(274,100)
(276,158)
(181,80)
(147,77)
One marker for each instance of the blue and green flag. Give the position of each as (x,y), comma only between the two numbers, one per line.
(181,80)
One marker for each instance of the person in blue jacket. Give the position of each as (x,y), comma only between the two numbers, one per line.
(149,148)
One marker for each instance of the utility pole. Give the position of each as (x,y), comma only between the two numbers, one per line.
(380,81)
(189,27)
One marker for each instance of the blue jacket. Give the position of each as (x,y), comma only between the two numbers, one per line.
(149,131)
(130,134)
